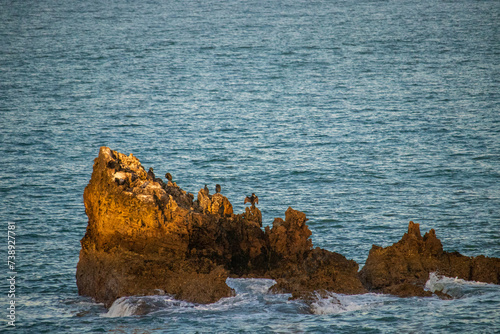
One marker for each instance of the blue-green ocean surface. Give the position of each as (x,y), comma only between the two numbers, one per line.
(363,114)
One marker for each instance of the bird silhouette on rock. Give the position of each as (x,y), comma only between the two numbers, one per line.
(252,200)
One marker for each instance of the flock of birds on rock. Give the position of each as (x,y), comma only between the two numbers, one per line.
(253,199)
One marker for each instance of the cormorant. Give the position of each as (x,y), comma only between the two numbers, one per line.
(206,190)
(252,200)
(151,174)
(217,188)
(168,176)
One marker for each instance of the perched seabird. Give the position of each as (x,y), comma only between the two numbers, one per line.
(151,174)
(252,200)
(168,176)
(217,188)
(206,190)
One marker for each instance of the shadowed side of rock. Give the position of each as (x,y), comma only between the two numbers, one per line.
(403,268)
(299,269)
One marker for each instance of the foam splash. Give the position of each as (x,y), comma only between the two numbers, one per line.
(141,305)
(121,308)
(455,287)
(252,286)
(248,292)
(333,303)
(251,294)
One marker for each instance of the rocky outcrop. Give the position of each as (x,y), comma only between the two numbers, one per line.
(138,237)
(214,204)
(145,236)
(403,268)
(319,270)
(299,269)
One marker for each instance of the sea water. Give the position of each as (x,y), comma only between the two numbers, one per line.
(362,114)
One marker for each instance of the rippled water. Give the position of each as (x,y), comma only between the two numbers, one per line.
(364,115)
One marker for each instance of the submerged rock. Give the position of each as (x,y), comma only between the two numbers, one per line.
(144,235)
(403,268)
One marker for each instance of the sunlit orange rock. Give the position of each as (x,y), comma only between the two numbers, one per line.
(138,237)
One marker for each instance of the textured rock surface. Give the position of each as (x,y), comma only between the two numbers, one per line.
(138,237)
(403,268)
(145,235)
(299,269)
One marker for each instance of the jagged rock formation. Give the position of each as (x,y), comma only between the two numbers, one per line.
(138,237)
(403,268)
(299,269)
(214,204)
(145,235)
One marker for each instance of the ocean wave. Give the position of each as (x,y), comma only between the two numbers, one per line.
(334,303)
(455,287)
(142,305)
(248,294)
(250,285)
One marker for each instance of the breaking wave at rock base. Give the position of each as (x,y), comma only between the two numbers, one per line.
(455,287)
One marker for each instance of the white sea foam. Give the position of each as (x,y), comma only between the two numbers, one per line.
(455,287)
(253,294)
(248,291)
(122,307)
(250,285)
(334,303)
(141,305)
